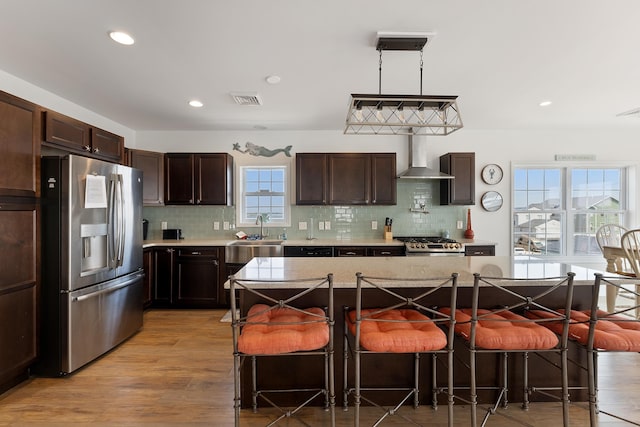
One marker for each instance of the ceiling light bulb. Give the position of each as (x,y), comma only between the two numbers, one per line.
(545,103)
(122,38)
(273,80)
(359,115)
(379,115)
(195,103)
(421,116)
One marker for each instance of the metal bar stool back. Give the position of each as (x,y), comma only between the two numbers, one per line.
(284,327)
(398,316)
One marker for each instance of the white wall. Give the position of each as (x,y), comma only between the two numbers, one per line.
(503,147)
(37,95)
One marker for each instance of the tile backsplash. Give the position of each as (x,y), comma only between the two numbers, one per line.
(417,213)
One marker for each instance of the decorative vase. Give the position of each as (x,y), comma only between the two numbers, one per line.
(468,234)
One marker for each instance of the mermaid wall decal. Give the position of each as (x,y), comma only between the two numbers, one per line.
(257,150)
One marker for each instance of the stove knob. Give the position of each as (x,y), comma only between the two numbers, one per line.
(458,246)
(423,246)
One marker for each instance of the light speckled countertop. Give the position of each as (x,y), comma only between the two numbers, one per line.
(297,242)
(345,269)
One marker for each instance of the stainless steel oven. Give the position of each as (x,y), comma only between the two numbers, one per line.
(431,246)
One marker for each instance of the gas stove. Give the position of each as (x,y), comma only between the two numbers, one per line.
(432,246)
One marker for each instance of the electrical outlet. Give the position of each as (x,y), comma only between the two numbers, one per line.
(302,225)
(321,225)
(327,225)
(216,225)
(163,225)
(459,225)
(225,225)
(374,225)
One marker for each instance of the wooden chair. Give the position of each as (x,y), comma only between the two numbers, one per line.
(394,316)
(284,327)
(497,323)
(630,243)
(611,235)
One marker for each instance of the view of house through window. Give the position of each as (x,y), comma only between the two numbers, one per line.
(263,191)
(557,210)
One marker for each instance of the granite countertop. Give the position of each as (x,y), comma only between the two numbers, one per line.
(345,269)
(295,242)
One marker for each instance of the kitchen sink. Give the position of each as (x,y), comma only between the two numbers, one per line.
(256,243)
(241,251)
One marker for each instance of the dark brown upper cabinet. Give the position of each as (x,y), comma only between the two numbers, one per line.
(78,137)
(152,166)
(461,189)
(346,179)
(20,146)
(198,179)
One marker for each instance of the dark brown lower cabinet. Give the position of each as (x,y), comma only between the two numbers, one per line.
(163,277)
(197,277)
(149,277)
(18,290)
(187,277)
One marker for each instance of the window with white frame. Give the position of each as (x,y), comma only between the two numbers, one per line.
(557,210)
(263,190)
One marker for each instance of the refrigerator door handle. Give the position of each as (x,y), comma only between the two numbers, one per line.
(107,290)
(111,218)
(120,221)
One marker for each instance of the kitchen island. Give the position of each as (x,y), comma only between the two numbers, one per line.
(344,273)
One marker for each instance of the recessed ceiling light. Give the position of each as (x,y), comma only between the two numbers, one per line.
(122,38)
(260,127)
(545,103)
(195,103)
(273,80)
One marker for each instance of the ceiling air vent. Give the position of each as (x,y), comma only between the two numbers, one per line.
(631,113)
(246,98)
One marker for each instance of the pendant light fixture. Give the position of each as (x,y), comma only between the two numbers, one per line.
(378,114)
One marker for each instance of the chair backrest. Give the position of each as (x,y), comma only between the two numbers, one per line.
(496,298)
(424,294)
(294,294)
(610,235)
(630,242)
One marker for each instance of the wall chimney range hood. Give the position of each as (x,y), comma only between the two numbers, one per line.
(418,163)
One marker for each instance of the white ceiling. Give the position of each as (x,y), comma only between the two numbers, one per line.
(501,57)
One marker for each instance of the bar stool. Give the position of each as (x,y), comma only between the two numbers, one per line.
(599,332)
(392,316)
(502,330)
(285,327)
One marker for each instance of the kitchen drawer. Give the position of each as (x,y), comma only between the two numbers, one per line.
(204,251)
(386,251)
(484,250)
(350,251)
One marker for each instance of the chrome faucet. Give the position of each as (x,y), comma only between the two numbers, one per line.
(260,220)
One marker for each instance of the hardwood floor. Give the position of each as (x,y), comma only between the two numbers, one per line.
(178,371)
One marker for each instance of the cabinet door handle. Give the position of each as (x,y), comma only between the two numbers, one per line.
(86,148)
(385,253)
(196,253)
(349,253)
(96,150)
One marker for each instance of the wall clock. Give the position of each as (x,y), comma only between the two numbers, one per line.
(492,174)
(491,201)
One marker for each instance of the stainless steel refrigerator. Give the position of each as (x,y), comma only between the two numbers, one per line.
(92,275)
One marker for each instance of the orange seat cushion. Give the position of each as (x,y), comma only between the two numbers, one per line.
(277,333)
(398,331)
(615,333)
(503,331)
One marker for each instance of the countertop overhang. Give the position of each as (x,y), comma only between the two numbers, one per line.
(344,269)
(296,242)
